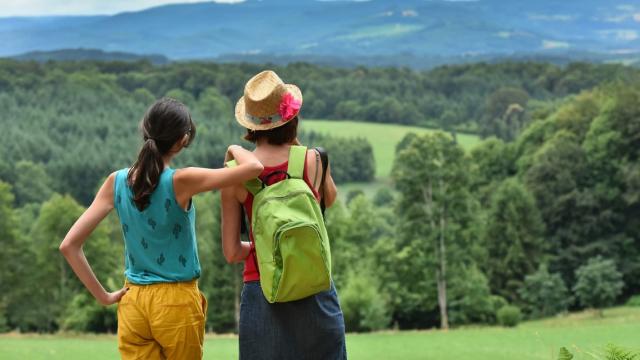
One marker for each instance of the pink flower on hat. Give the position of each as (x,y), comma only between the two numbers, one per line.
(289,107)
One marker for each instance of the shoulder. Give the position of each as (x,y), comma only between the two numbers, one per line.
(118,175)
(311,156)
(179,176)
(107,191)
(313,160)
(111,179)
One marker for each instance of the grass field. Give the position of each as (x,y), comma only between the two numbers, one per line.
(383,137)
(582,333)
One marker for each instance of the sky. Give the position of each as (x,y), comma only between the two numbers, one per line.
(81,7)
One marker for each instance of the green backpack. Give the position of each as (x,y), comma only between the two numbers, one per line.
(291,241)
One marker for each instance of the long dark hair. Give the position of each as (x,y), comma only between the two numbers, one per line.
(165,123)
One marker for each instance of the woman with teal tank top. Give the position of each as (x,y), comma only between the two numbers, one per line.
(161,312)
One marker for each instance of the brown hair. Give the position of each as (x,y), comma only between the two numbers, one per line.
(284,134)
(165,123)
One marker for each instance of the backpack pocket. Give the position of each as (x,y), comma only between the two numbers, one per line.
(301,262)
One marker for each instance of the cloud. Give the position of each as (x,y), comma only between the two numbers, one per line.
(84,7)
(620,34)
(553,17)
(550,44)
(625,7)
(616,18)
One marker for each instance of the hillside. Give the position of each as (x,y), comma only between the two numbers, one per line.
(88,54)
(342,29)
(383,137)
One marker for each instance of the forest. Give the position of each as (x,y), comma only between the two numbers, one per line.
(540,218)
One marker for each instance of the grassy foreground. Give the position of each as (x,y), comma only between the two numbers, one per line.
(383,137)
(582,333)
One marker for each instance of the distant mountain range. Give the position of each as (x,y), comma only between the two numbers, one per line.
(89,54)
(398,32)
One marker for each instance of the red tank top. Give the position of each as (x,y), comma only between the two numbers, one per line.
(250,273)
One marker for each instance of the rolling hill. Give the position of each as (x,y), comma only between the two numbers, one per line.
(383,137)
(342,29)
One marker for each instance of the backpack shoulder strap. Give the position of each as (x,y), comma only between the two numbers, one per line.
(253,186)
(324,157)
(297,159)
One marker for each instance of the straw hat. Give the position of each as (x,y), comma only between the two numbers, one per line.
(268,102)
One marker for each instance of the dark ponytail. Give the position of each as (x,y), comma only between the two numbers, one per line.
(165,123)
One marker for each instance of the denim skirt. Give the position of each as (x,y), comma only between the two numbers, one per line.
(311,328)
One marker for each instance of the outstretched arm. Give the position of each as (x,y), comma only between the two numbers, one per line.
(71,246)
(191,181)
(233,249)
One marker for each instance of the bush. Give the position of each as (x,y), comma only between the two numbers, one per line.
(634,301)
(3,323)
(470,299)
(509,316)
(352,194)
(497,303)
(363,306)
(384,197)
(544,294)
(614,352)
(565,354)
(598,283)
(611,352)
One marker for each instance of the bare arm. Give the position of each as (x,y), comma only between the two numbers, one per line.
(330,190)
(191,181)
(71,246)
(233,248)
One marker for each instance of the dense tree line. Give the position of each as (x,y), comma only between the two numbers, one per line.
(543,220)
(66,125)
(537,226)
(547,222)
(488,99)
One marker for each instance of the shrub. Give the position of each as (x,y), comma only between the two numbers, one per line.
(598,283)
(497,303)
(362,304)
(611,352)
(352,194)
(544,294)
(509,316)
(3,323)
(384,197)
(565,354)
(634,301)
(469,296)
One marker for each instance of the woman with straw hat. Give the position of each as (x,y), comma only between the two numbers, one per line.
(310,328)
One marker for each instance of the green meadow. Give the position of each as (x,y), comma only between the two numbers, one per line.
(383,137)
(585,334)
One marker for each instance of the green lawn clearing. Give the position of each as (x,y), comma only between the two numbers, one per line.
(582,333)
(383,137)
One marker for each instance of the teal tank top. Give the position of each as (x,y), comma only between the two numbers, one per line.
(160,241)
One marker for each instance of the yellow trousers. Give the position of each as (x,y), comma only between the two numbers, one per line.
(162,321)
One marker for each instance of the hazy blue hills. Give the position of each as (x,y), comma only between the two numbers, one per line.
(389,29)
(89,54)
